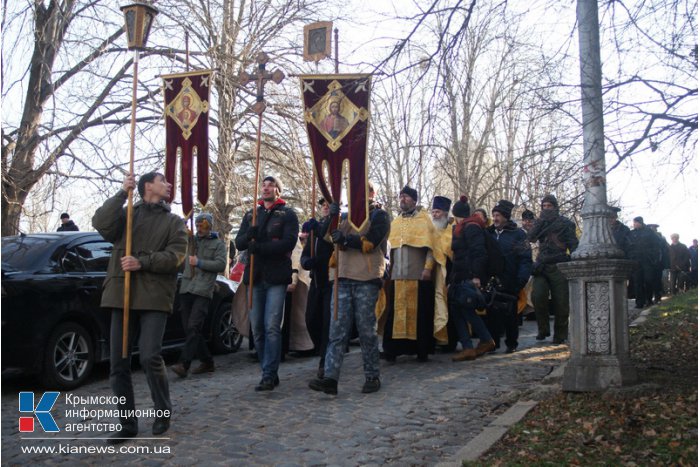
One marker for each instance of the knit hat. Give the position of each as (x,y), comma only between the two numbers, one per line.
(505,207)
(461,208)
(274,180)
(65,216)
(442,203)
(527,214)
(407,190)
(639,219)
(550,199)
(205,216)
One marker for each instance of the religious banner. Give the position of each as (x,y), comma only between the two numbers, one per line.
(187,132)
(336,113)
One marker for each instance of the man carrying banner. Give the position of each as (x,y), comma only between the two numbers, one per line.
(159,245)
(416,308)
(269,244)
(361,267)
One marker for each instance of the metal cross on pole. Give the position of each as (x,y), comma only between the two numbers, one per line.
(260,77)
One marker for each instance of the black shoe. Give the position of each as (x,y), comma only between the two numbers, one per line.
(541,337)
(558,341)
(265,384)
(121,436)
(161,425)
(511,349)
(276,381)
(371,385)
(327,385)
(422,358)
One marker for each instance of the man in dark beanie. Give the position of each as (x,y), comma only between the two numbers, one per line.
(502,316)
(644,249)
(557,240)
(270,243)
(67,225)
(664,262)
(416,312)
(469,271)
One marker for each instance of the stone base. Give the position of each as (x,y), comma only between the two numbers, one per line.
(597,373)
(598,327)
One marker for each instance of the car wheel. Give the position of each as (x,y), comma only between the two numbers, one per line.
(225,336)
(68,358)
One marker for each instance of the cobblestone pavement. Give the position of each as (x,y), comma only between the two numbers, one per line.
(422,415)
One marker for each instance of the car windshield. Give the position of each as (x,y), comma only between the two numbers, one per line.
(23,253)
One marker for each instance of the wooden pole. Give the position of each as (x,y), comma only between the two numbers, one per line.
(255,209)
(336,50)
(187,50)
(130,213)
(313,209)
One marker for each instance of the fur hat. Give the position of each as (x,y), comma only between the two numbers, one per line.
(550,199)
(442,203)
(407,190)
(505,207)
(461,208)
(527,214)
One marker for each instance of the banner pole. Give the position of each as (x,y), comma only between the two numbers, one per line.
(130,213)
(255,209)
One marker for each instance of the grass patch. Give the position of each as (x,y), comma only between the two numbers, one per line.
(652,423)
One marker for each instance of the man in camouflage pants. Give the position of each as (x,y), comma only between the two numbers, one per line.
(360,271)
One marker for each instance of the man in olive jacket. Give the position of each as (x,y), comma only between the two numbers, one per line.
(557,240)
(196,290)
(159,241)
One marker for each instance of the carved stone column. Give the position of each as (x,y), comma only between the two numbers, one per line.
(598,327)
(598,336)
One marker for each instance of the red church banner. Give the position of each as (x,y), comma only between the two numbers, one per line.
(187,132)
(336,113)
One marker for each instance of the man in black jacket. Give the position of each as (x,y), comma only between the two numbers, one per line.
(502,315)
(67,224)
(269,243)
(318,303)
(645,249)
(557,240)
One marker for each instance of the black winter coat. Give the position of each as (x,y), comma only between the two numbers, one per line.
(469,254)
(278,231)
(645,247)
(517,254)
(318,265)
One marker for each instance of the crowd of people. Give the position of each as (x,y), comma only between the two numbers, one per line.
(426,281)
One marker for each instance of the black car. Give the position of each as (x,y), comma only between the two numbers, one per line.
(52,323)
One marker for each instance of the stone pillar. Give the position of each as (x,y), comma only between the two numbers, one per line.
(598,336)
(598,327)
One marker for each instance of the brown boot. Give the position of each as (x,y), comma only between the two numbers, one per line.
(484,347)
(180,370)
(466,354)
(204,368)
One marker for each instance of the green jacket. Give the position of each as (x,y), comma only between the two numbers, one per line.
(159,242)
(211,260)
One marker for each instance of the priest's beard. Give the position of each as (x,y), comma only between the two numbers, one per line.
(440,223)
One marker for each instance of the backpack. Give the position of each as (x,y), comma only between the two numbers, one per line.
(495,262)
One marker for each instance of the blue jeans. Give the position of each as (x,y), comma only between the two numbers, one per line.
(463,299)
(266,323)
(356,302)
